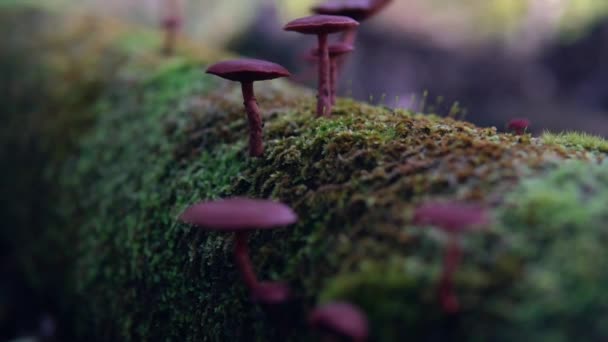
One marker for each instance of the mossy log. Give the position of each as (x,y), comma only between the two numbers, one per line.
(105,142)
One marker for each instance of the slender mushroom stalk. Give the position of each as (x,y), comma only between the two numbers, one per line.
(241,215)
(335,52)
(247,71)
(451,261)
(241,258)
(256,145)
(333,80)
(324,102)
(455,219)
(322,26)
(171,25)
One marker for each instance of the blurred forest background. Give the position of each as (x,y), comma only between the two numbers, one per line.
(546,60)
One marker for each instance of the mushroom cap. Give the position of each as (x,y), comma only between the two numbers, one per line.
(518,124)
(357,9)
(171,22)
(247,70)
(341,318)
(271,293)
(321,24)
(451,217)
(335,50)
(239,214)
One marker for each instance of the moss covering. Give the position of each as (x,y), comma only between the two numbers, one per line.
(577,140)
(162,135)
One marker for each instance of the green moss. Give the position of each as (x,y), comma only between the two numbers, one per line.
(556,223)
(577,140)
(162,135)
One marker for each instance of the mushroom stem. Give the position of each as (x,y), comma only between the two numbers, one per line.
(242,260)
(447,296)
(333,79)
(171,24)
(256,145)
(170,38)
(323,101)
(349,37)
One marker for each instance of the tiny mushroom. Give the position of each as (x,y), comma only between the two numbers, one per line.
(519,126)
(359,10)
(340,319)
(171,24)
(454,219)
(241,216)
(322,26)
(335,52)
(247,71)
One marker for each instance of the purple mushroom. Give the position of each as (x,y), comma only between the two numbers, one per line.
(519,126)
(454,219)
(322,26)
(247,71)
(241,216)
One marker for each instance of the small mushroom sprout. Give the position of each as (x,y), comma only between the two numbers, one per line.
(454,219)
(518,126)
(241,216)
(247,71)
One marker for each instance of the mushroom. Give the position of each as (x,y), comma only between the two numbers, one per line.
(454,219)
(519,126)
(359,10)
(241,216)
(171,24)
(322,26)
(335,52)
(341,319)
(247,71)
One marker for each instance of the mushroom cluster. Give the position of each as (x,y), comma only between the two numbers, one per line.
(332,17)
(322,26)
(241,216)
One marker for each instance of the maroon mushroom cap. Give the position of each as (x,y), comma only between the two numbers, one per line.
(335,50)
(247,70)
(357,9)
(518,124)
(321,24)
(341,318)
(451,217)
(238,214)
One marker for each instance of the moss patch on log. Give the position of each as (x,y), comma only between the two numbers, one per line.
(162,135)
